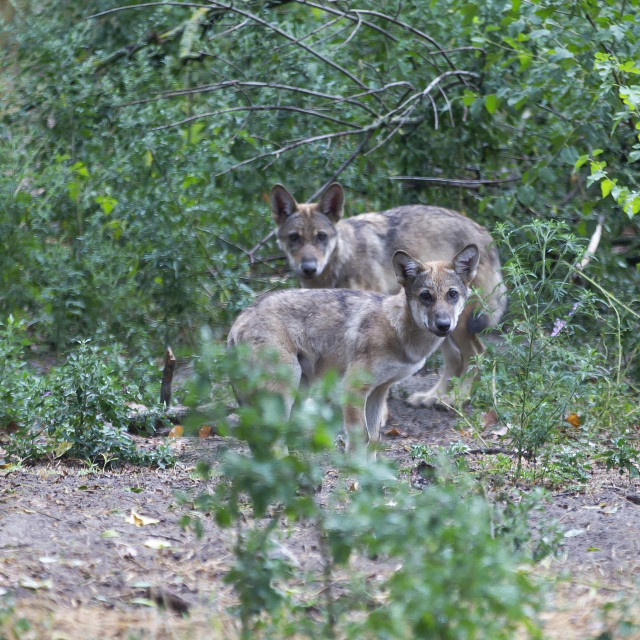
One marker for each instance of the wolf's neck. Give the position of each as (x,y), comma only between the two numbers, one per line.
(417,342)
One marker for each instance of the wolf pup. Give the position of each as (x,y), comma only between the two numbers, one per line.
(387,337)
(326,251)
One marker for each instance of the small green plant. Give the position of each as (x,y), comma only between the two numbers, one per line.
(78,409)
(443,540)
(622,456)
(12,626)
(543,371)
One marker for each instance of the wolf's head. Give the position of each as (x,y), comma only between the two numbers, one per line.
(306,232)
(437,291)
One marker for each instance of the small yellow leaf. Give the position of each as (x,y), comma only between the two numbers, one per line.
(573,419)
(176,432)
(109,533)
(139,520)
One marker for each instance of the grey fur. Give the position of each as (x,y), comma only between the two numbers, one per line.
(357,252)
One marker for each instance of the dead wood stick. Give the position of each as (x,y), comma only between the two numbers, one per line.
(593,243)
(490,451)
(167,378)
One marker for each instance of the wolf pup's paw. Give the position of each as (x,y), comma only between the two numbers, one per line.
(429,400)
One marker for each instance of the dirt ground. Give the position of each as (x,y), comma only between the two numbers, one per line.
(76,567)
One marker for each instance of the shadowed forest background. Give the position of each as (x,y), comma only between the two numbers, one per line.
(138,145)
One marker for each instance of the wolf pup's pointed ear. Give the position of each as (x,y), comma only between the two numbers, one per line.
(406,267)
(332,202)
(465,263)
(283,204)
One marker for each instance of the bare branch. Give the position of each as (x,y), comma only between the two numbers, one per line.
(353,33)
(408,27)
(226,32)
(326,25)
(253,85)
(345,164)
(294,145)
(459,183)
(253,108)
(288,36)
(342,14)
(401,121)
(148,4)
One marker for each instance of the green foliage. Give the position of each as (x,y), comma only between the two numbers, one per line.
(445,540)
(545,370)
(77,410)
(11,626)
(137,146)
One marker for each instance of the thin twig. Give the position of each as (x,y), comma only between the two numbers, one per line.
(255,85)
(458,183)
(294,145)
(142,5)
(218,112)
(288,36)
(408,27)
(342,14)
(229,30)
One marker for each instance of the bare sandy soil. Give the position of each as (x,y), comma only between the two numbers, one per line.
(76,567)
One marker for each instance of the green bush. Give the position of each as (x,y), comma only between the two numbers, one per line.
(76,410)
(556,373)
(455,555)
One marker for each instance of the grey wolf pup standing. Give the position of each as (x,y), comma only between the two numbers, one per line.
(388,337)
(326,251)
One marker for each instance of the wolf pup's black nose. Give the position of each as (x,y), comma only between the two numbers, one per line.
(309,268)
(443,324)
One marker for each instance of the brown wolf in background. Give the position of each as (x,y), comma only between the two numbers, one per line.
(326,251)
(386,337)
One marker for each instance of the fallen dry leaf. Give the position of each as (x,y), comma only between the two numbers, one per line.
(394,433)
(205,431)
(354,486)
(573,419)
(139,520)
(176,432)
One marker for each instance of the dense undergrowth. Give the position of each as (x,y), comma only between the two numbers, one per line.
(137,148)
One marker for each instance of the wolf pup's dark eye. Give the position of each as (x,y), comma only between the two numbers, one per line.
(425,296)
(322,236)
(453,295)
(294,237)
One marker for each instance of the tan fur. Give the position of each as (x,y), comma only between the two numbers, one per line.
(357,251)
(387,337)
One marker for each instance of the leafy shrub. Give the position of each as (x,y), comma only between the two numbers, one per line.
(456,555)
(546,371)
(76,410)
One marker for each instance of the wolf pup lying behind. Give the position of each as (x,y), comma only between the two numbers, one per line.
(387,337)
(326,251)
